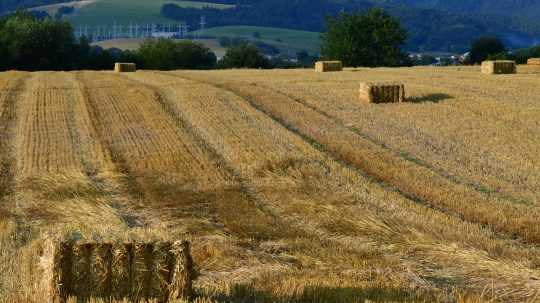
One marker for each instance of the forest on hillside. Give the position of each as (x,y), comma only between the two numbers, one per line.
(12,5)
(430,27)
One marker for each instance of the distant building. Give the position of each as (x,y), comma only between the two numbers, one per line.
(168,35)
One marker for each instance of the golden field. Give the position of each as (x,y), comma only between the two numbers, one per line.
(289,188)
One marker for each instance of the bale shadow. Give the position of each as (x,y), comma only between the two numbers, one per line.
(320,294)
(434,98)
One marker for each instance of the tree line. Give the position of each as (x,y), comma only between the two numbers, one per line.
(372,38)
(32,43)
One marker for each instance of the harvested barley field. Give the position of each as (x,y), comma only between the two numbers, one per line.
(287,186)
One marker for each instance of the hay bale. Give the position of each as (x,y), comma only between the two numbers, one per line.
(384,92)
(499,67)
(125,67)
(55,265)
(122,258)
(161,270)
(100,269)
(80,270)
(141,269)
(183,274)
(533,61)
(328,66)
(137,271)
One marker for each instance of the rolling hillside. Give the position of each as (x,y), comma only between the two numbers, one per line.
(431,28)
(283,39)
(528,8)
(124,12)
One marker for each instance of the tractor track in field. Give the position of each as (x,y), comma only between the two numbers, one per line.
(404,155)
(180,128)
(244,183)
(8,164)
(132,190)
(8,120)
(499,232)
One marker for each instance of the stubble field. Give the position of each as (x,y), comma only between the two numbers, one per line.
(289,189)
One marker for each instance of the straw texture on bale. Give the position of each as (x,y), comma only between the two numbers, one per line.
(328,66)
(533,61)
(160,271)
(381,92)
(125,67)
(499,67)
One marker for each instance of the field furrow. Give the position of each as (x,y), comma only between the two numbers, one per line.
(474,113)
(415,181)
(45,141)
(175,174)
(313,192)
(10,86)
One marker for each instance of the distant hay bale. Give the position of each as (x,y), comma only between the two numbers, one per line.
(499,67)
(160,271)
(125,67)
(533,61)
(328,66)
(383,92)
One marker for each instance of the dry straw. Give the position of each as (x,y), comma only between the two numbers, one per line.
(499,67)
(381,92)
(533,61)
(160,271)
(125,67)
(328,66)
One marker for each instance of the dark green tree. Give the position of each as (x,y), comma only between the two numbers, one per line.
(244,56)
(34,44)
(485,47)
(166,54)
(522,55)
(369,39)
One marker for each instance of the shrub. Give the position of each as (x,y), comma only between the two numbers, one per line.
(484,47)
(244,56)
(166,54)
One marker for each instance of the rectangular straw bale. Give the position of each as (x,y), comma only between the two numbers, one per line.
(158,271)
(328,66)
(383,92)
(162,266)
(533,61)
(100,269)
(55,265)
(122,256)
(80,270)
(183,274)
(499,67)
(125,67)
(141,269)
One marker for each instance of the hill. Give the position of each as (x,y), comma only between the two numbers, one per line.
(430,28)
(518,8)
(289,188)
(286,40)
(123,12)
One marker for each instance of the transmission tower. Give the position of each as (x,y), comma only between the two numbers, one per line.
(202,24)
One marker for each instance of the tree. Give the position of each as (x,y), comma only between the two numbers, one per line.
(370,39)
(244,55)
(33,44)
(484,47)
(166,54)
(522,55)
